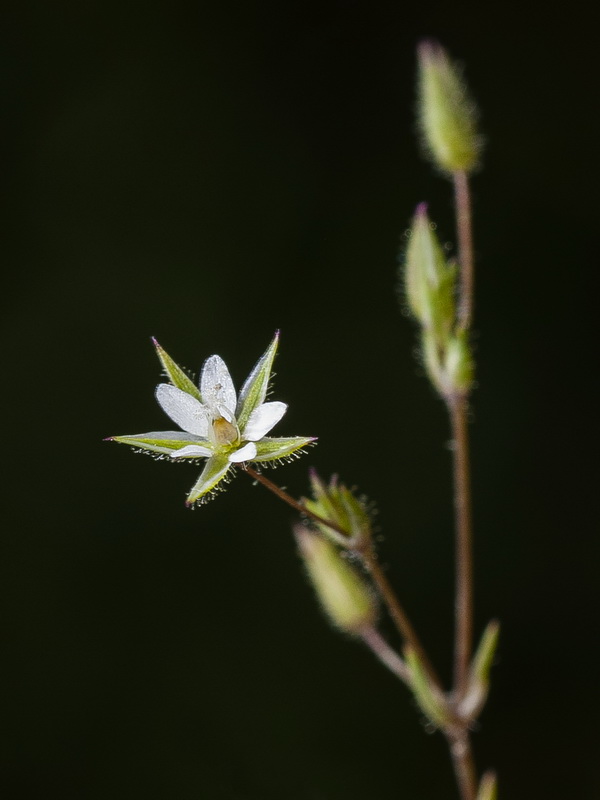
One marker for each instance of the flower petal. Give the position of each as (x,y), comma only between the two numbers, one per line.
(254,390)
(192,451)
(245,453)
(183,409)
(271,449)
(217,387)
(174,372)
(215,470)
(159,441)
(262,419)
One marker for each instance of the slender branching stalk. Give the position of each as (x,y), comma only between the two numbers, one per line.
(387,655)
(365,552)
(229,429)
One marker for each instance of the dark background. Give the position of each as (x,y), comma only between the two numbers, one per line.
(207,173)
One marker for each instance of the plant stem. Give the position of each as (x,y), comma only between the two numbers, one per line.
(397,613)
(464,235)
(458,407)
(370,562)
(464,556)
(377,644)
(291,501)
(464,766)
(458,410)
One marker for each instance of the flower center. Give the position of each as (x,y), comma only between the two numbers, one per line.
(224,432)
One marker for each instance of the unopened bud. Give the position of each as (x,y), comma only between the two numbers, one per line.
(338,504)
(447,114)
(429,279)
(429,698)
(344,595)
(488,788)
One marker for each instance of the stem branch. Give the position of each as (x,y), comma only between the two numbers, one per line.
(370,562)
(377,644)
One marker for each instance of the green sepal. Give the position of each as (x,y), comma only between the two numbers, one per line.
(337,503)
(254,390)
(159,441)
(215,470)
(345,596)
(273,448)
(176,374)
(429,699)
(488,788)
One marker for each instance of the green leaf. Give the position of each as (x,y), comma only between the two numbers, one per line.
(484,657)
(254,390)
(158,441)
(430,700)
(479,678)
(488,789)
(213,473)
(175,374)
(270,449)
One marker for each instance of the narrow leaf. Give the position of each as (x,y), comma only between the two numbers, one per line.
(428,697)
(488,789)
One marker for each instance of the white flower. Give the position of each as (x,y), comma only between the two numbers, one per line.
(215,422)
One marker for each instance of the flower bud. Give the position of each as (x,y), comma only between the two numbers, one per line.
(343,593)
(338,504)
(429,280)
(447,115)
(488,788)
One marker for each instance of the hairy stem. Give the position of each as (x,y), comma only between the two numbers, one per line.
(291,501)
(377,644)
(464,550)
(458,407)
(463,763)
(397,613)
(464,235)
(370,562)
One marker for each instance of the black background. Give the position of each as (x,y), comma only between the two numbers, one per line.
(205,174)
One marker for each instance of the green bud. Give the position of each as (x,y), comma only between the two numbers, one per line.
(458,366)
(479,679)
(488,788)
(344,595)
(429,698)
(447,115)
(338,504)
(429,280)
